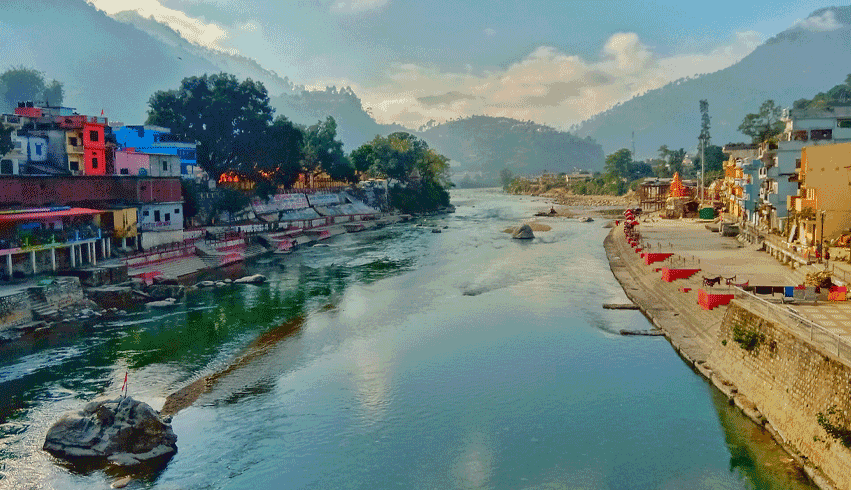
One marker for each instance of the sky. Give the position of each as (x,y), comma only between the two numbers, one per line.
(555,62)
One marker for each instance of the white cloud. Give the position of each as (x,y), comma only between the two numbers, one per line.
(821,23)
(198,31)
(355,6)
(547,86)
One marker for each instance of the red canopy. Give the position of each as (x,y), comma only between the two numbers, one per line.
(40,215)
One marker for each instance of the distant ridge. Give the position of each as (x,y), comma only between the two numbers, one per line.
(797,63)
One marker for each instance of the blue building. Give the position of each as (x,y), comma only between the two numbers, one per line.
(157,139)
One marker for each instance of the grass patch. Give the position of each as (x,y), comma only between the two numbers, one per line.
(746,338)
(835,431)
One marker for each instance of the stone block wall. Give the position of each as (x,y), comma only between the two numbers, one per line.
(15,309)
(62,292)
(792,383)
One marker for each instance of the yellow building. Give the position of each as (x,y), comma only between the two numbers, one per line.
(734,177)
(824,194)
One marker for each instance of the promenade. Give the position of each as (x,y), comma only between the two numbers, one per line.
(691,329)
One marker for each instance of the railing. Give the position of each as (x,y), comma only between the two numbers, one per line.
(804,327)
(161,253)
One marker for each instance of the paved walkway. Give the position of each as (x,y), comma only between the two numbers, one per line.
(692,330)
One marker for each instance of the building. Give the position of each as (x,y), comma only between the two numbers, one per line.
(740,155)
(822,209)
(781,159)
(159,140)
(131,162)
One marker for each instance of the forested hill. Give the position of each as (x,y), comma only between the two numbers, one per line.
(481,146)
(798,63)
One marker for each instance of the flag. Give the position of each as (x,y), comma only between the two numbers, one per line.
(124,386)
(101,112)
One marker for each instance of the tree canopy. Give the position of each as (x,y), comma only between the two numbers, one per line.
(19,84)
(323,151)
(227,118)
(6,143)
(422,172)
(764,124)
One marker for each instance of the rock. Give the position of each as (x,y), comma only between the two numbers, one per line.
(228,281)
(121,483)
(162,304)
(205,284)
(524,232)
(119,430)
(163,291)
(220,284)
(163,279)
(255,279)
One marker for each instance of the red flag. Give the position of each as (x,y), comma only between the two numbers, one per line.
(101,112)
(124,386)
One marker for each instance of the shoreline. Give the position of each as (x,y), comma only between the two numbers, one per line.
(677,324)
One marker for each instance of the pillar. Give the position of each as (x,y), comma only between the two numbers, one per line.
(9,264)
(93,255)
(73,256)
(124,242)
(53,258)
(32,260)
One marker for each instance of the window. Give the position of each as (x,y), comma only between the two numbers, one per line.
(74,165)
(176,210)
(18,145)
(821,134)
(94,162)
(38,149)
(165,166)
(72,141)
(125,171)
(157,215)
(167,217)
(146,213)
(843,123)
(93,135)
(6,167)
(811,193)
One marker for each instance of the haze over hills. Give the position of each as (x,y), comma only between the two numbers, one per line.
(798,63)
(122,60)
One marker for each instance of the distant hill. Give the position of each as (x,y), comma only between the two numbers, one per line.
(797,63)
(120,62)
(481,146)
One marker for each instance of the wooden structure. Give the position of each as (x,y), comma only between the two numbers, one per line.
(653,193)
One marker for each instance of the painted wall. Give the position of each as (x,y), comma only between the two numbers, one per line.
(824,169)
(130,163)
(95,191)
(162,165)
(166,216)
(790,382)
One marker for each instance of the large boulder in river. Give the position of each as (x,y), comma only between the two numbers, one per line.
(255,279)
(523,233)
(121,430)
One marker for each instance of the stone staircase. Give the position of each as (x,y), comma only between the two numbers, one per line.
(173,268)
(40,308)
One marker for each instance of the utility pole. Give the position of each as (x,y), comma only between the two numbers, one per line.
(702,166)
(633,145)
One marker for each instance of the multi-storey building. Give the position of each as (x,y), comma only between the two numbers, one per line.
(735,178)
(823,206)
(159,140)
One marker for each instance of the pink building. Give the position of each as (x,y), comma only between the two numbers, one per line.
(128,162)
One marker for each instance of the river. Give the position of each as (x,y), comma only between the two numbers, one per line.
(402,358)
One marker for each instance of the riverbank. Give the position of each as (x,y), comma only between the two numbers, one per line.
(673,307)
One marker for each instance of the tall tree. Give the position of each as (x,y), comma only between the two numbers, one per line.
(322,150)
(619,164)
(506,176)
(227,118)
(704,123)
(283,151)
(19,84)
(764,124)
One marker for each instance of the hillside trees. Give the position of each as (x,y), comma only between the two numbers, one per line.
(839,94)
(19,84)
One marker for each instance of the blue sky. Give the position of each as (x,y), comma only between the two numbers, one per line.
(555,62)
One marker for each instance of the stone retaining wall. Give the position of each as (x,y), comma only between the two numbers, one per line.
(799,389)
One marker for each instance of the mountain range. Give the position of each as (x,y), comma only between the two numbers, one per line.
(116,63)
(797,63)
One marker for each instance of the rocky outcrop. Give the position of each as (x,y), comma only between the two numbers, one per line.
(123,431)
(524,232)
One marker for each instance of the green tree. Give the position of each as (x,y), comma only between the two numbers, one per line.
(715,158)
(619,164)
(641,170)
(764,124)
(323,151)
(231,200)
(362,158)
(704,122)
(226,117)
(19,84)
(839,94)
(283,151)
(675,162)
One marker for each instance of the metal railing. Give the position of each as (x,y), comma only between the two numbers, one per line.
(807,329)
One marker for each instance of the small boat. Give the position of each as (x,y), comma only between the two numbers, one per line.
(586,219)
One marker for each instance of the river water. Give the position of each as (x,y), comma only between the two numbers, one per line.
(402,358)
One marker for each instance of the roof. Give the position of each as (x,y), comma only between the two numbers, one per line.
(37,215)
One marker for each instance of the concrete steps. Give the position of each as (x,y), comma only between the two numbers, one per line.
(174,268)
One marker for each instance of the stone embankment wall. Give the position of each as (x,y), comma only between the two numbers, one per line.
(15,309)
(802,391)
